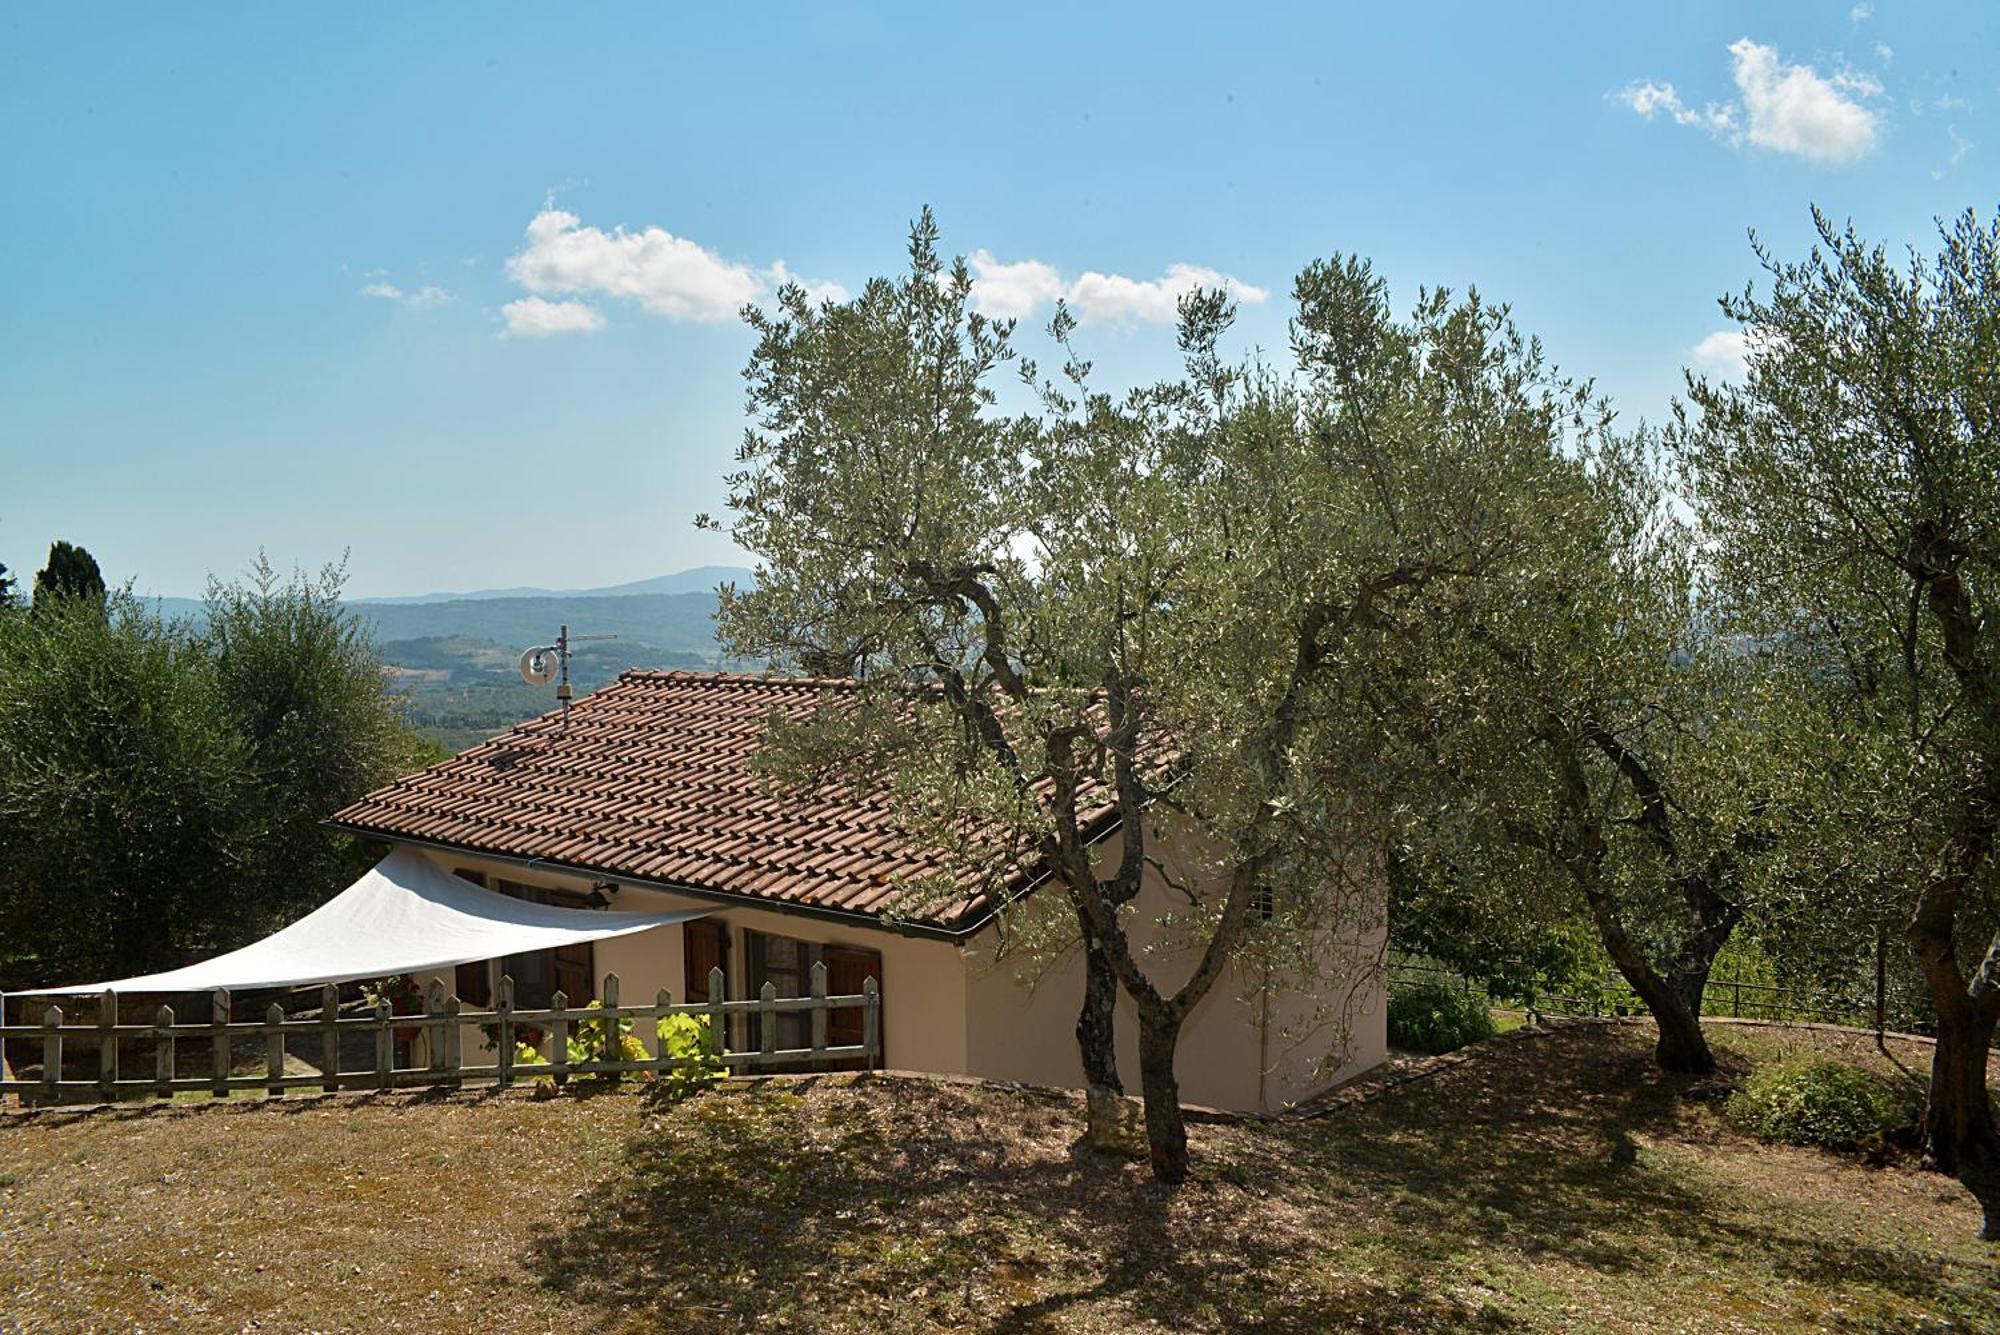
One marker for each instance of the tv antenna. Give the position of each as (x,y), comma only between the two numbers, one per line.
(550,662)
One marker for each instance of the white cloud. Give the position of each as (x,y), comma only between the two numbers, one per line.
(1860,14)
(1017,290)
(423,299)
(569,268)
(1727,352)
(668,276)
(1099,296)
(1650,99)
(535,317)
(1960,146)
(817,289)
(1012,291)
(1793,110)
(1723,352)
(1784,108)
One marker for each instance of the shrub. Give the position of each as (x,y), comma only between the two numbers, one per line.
(1435,1017)
(586,1042)
(685,1039)
(1816,1101)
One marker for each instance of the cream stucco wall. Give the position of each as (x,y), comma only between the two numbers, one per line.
(923,981)
(966,1009)
(1253,1044)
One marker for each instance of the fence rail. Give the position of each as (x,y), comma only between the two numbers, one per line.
(1724,996)
(443,1023)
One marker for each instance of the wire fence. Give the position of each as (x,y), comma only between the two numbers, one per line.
(1739,998)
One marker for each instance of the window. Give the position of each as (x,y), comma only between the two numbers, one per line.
(539,974)
(787,963)
(783,962)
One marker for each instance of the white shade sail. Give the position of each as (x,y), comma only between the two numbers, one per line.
(406,915)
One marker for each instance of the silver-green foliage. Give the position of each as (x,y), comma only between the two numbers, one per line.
(1180,605)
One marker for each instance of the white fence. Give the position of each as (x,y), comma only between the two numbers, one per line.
(443,1024)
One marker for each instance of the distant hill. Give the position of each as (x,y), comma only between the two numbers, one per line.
(683,622)
(453,658)
(701,579)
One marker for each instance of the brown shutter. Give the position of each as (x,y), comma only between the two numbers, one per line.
(473,982)
(847,968)
(705,946)
(571,968)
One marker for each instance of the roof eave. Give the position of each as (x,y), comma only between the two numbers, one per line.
(871,921)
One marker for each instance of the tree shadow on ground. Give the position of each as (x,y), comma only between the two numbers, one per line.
(1579,1149)
(833,1205)
(858,1202)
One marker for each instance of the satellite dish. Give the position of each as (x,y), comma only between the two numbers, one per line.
(539,666)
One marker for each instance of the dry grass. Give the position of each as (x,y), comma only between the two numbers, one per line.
(1554,1183)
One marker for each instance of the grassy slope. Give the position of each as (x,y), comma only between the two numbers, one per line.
(1549,1184)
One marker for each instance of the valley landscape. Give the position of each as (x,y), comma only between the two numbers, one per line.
(453,655)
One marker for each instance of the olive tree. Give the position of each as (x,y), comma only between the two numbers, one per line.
(1592,754)
(1154,609)
(1850,489)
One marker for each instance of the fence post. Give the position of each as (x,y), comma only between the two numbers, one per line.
(767,1020)
(107,1045)
(504,1008)
(871,1020)
(52,1019)
(454,1039)
(385,1046)
(559,1038)
(819,1009)
(329,1038)
(163,1052)
(718,1019)
(274,1050)
(218,1042)
(434,1031)
(611,1044)
(662,1004)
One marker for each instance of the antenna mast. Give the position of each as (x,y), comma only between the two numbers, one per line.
(551,661)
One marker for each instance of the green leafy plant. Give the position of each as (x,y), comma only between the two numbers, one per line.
(1816,1101)
(1434,1017)
(586,1043)
(687,1042)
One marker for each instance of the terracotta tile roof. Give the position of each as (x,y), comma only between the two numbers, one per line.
(651,783)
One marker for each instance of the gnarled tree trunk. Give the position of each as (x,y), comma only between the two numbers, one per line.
(1959,1129)
(1958,1120)
(1682,1047)
(1094,1022)
(1166,1129)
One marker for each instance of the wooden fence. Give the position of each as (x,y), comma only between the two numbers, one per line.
(443,1023)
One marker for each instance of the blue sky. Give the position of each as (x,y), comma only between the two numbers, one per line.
(269,279)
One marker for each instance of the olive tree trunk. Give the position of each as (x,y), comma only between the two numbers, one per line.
(1166,1129)
(1959,1129)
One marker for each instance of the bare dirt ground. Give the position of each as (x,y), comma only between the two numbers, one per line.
(1550,1183)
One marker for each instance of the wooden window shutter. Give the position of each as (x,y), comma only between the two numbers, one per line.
(572,969)
(705,946)
(847,968)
